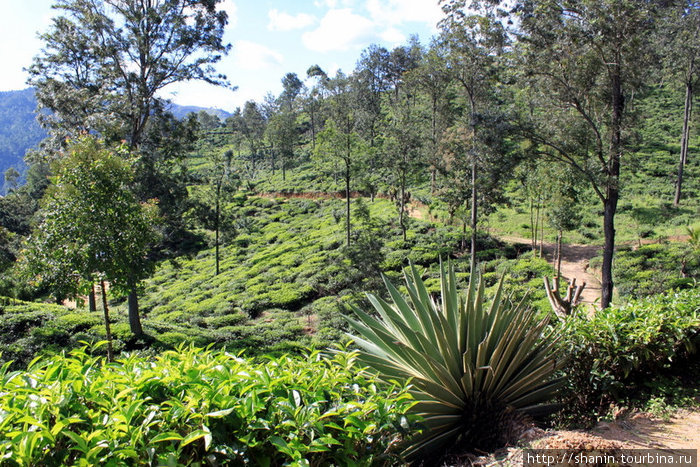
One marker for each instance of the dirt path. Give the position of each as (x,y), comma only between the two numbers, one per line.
(575,260)
(574,263)
(636,431)
(680,431)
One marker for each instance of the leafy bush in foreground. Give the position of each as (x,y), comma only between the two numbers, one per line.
(193,405)
(623,351)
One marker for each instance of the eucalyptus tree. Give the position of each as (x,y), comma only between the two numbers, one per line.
(313,100)
(475,44)
(103,62)
(680,36)
(371,84)
(403,128)
(252,126)
(282,130)
(432,77)
(220,179)
(582,63)
(340,140)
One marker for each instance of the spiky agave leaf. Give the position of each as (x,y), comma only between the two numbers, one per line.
(464,357)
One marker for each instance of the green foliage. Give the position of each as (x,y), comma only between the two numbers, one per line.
(192,405)
(150,45)
(30,329)
(622,351)
(469,361)
(91,227)
(655,268)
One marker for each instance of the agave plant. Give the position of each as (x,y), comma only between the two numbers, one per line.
(470,364)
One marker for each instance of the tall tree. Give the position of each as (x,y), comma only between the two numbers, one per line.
(282,128)
(681,40)
(371,83)
(583,62)
(219,180)
(475,44)
(314,99)
(252,126)
(104,61)
(340,140)
(401,148)
(433,78)
(92,228)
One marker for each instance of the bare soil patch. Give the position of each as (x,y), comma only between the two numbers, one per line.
(633,431)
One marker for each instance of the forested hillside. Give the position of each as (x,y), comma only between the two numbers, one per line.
(19,129)
(426,215)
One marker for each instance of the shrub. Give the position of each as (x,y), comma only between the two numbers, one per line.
(621,351)
(655,268)
(194,406)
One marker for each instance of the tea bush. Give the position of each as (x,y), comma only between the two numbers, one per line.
(192,405)
(624,351)
(655,268)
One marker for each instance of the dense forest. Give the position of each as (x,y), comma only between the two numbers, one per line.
(19,131)
(412,214)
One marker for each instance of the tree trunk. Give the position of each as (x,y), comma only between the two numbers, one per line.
(216,221)
(612,188)
(541,235)
(347,200)
(472,264)
(532,225)
(537,227)
(402,204)
(464,234)
(92,305)
(608,251)
(688,108)
(559,253)
(134,317)
(313,128)
(110,351)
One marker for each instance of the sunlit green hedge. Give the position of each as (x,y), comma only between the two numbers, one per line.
(624,351)
(193,405)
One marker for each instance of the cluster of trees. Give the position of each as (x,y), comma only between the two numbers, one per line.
(553,83)
(113,158)
(550,82)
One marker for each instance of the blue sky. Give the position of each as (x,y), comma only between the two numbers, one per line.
(269,38)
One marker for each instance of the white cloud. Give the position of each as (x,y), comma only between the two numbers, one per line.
(340,30)
(393,36)
(281,21)
(333,3)
(394,12)
(252,56)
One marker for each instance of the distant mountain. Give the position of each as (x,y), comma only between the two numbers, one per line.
(181,111)
(20,131)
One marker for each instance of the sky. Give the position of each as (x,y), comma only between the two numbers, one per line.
(269,37)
